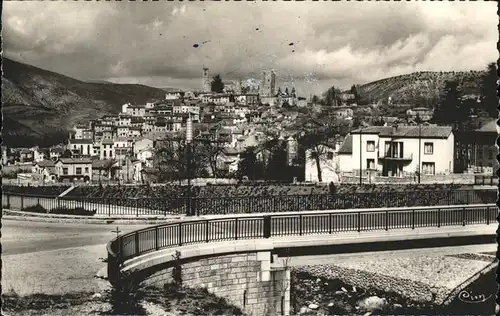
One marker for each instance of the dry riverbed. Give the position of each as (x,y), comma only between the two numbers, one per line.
(383,285)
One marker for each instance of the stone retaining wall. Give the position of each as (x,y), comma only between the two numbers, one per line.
(246,280)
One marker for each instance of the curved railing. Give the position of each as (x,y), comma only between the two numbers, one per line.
(186,232)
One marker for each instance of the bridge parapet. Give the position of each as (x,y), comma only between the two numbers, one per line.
(232,256)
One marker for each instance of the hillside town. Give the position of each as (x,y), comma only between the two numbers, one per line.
(123,148)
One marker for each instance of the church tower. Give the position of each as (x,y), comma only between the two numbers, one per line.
(206,80)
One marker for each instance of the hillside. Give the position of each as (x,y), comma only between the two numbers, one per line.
(420,88)
(39,106)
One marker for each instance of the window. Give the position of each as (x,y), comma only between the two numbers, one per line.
(104,154)
(370,164)
(428,148)
(490,154)
(480,153)
(86,169)
(428,168)
(65,171)
(329,155)
(370,146)
(78,170)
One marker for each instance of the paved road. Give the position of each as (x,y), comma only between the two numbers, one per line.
(20,237)
(54,258)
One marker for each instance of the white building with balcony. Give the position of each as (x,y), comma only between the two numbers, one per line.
(398,151)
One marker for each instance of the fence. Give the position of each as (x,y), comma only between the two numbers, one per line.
(486,180)
(279,225)
(250,204)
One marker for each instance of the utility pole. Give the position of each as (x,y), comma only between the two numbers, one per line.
(419,147)
(189,138)
(360,157)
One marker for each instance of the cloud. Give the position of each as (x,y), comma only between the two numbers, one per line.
(333,43)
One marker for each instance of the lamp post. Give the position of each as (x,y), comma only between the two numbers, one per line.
(189,138)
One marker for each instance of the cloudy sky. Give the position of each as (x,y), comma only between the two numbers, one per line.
(311,45)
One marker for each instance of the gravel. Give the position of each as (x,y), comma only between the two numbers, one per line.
(419,278)
(436,271)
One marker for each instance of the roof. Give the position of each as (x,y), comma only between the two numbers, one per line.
(75,160)
(45,163)
(102,164)
(407,131)
(346,146)
(57,150)
(81,141)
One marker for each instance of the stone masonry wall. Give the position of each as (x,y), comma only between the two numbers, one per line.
(246,280)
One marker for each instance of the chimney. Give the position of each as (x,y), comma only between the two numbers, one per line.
(394,128)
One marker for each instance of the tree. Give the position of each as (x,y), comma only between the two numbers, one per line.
(217,85)
(293,92)
(171,159)
(330,96)
(276,164)
(315,99)
(317,142)
(67,154)
(245,89)
(279,92)
(249,166)
(210,150)
(489,100)
(445,110)
(354,90)
(286,91)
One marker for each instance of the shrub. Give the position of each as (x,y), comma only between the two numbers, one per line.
(35,209)
(60,211)
(126,294)
(73,211)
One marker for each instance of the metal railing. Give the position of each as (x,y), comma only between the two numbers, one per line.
(249,204)
(485,180)
(169,235)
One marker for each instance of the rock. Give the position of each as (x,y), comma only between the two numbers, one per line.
(313,306)
(96,296)
(303,310)
(367,314)
(318,280)
(354,289)
(330,305)
(372,303)
(397,306)
(338,292)
(344,290)
(326,284)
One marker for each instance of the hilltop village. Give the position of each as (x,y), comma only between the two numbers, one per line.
(240,117)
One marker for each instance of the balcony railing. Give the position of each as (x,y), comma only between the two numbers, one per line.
(395,156)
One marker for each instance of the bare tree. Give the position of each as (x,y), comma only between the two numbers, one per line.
(319,142)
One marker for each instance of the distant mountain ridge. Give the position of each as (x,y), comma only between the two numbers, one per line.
(419,88)
(39,106)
